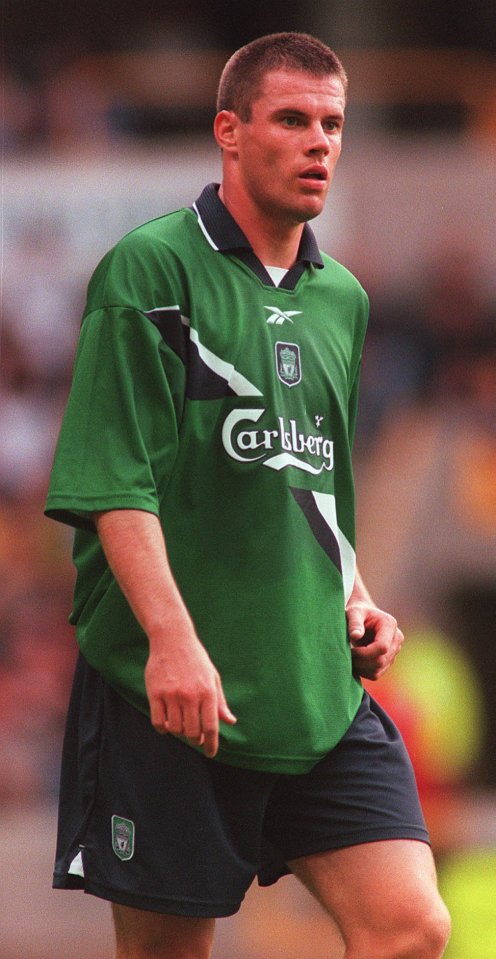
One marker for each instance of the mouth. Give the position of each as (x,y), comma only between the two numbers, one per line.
(314,174)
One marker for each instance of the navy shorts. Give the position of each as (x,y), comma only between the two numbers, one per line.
(147,821)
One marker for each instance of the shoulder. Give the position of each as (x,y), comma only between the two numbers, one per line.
(161,229)
(339,275)
(129,273)
(152,239)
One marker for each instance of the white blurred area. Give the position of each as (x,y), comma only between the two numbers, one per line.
(412,213)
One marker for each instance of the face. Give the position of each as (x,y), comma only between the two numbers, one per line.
(287,152)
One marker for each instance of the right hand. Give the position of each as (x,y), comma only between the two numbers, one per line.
(185,694)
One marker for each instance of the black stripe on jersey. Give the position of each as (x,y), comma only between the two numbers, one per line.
(320,529)
(172,330)
(202,383)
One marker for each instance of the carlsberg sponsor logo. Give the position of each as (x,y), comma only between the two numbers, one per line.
(279,447)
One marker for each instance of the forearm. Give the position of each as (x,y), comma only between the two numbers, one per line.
(135,548)
(183,686)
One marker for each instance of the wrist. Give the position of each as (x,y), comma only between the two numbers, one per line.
(174,626)
(359,594)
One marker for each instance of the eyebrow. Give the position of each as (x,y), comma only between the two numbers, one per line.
(338,115)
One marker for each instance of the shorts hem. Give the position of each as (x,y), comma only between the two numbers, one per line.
(358,839)
(67,881)
(267,877)
(173,907)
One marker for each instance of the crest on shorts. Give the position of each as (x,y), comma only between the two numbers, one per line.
(288,364)
(123,837)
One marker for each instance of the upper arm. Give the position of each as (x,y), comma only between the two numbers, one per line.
(119,435)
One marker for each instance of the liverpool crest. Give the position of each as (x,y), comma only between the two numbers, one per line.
(288,364)
(123,837)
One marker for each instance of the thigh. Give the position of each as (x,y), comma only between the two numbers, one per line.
(377,893)
(148,935)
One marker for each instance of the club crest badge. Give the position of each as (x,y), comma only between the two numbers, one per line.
(123,837)
(288,363)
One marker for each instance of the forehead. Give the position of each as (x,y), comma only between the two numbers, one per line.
(294,88)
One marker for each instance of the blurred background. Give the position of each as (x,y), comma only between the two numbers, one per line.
(107,119)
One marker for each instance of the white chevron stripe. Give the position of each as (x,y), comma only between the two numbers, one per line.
(282,460)
(326,505)
(238,383)
(163,309)
(204,229)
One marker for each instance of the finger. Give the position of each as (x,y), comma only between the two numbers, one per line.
(210,727)
(192,722)
(386,629)
(158,716)
(370,662)
(174,722)
(370,652)
(376,653)
(371,671)
(224,712)
(392,648)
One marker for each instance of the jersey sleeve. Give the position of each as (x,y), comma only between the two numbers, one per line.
(119,435)
(353,400)
(353,407)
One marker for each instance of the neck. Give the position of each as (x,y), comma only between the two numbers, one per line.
(275,244)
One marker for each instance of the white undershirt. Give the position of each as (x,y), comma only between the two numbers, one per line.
(276,273)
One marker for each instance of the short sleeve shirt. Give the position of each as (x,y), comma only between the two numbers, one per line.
(226,406)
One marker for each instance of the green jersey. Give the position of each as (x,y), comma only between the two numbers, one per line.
(226,406)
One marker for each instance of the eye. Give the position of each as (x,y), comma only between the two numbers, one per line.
(291,121)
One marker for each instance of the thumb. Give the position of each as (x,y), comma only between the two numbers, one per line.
(356,625)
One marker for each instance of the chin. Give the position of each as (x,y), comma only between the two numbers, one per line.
(309,212)
(312,205)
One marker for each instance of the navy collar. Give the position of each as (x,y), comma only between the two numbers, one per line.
(224,235)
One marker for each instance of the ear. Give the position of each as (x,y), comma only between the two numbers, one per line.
(226,125)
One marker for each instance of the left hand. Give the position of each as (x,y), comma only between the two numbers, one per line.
(375,639)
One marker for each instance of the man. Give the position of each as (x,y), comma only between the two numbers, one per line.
(205,461)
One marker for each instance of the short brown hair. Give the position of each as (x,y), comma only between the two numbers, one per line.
(242,77)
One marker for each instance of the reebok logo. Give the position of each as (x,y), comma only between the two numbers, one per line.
(278,317)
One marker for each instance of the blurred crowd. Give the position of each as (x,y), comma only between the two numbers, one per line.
(426,475)
(39,327)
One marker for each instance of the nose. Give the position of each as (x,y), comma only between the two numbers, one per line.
(319,140)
